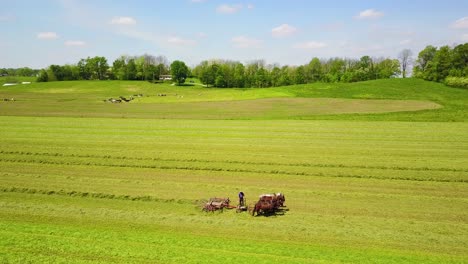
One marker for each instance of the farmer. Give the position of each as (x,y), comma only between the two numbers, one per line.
(241,199)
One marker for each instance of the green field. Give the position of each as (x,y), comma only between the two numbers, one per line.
(367,178)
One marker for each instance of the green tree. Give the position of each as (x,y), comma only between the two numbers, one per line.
(179,71)
(387,68)
(314,70)
(43,76)
(460,61)
(83,70)
(239,75)
(119,69)
(299,75)
(442,64)
(275,76)
(425,57)
(131,70)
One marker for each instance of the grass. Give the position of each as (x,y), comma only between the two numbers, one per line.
(359,101)
(94,189)
(15,79)
(109,190)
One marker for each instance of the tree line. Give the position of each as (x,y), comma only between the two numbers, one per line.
(24,71)
(432,63)
(226,74)
(444,64)
(145,67)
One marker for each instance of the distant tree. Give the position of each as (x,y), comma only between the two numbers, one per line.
(119,69)
(239,75)
(387,68)
(97,67)
(204,73)
(299,75)
(424,58)
(43,77)
(285,76)
(275,76)
(405,60)
(131,70)
(460,61)
(262,78)
(314,70)
(179,71)
(25,71)
(442,64)
(57,71)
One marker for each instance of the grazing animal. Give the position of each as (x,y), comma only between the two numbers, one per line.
(124,99)
(112,100)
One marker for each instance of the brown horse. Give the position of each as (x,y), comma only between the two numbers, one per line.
(268,203)
(280,199)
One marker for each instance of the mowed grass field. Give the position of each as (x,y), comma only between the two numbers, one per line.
(97,188)
(393,99)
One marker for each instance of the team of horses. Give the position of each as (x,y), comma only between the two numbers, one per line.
(268,203)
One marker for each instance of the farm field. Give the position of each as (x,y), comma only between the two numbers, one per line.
(393,100)
(83,181)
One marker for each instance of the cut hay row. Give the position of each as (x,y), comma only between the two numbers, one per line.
(145,198)
(445,178)
(48,154)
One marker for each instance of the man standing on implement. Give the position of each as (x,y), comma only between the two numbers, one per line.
(241,199)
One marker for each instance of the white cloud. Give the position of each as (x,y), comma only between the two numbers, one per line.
(250,6)
(201,35)
(47,35)
(310,45)
(245,42)
(228,9)
(123,21)
(406,42)
(75,43)
(181,42)
(461,23)
(369,14)
(464,38)
(333,26)
(5,18)
(283,30)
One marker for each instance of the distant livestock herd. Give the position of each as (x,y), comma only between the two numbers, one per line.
(122,99)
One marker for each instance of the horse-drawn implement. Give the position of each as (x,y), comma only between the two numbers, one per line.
(266,204)
(215,204)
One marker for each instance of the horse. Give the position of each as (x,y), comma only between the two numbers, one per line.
(280,199)
(266,204)
(269,203)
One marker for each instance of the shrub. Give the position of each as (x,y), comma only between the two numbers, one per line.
(461,82)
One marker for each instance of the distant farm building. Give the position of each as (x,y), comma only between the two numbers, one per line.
(165,77)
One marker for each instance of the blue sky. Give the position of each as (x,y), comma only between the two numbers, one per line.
(39,33)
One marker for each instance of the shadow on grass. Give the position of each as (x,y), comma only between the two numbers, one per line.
(280,212)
